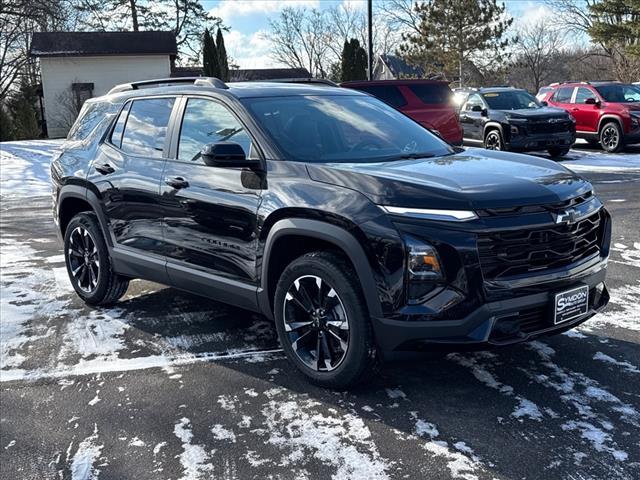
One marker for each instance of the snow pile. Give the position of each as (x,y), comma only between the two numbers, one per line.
(194,458)
(24,167)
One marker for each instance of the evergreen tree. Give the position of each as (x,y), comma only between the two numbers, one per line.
(6,132)
(353,61)
(454,32)
(210,60)
(616,26)
(222,57)
(22,107)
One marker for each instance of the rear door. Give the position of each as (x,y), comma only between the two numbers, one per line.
(472,122)
(127,173)
(562,98)
(210,224)
(586,115)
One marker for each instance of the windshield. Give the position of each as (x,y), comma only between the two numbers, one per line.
(618,93)
(512,100)
(342,128)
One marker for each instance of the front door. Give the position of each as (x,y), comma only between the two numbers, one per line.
(472,121)
(127,173)
(210,225)
(586,114)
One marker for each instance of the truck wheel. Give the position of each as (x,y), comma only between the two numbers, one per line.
(88,262)
(322,321)
(611,137)
(493,140)
(558,151)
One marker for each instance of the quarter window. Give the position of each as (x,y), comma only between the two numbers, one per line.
(118,129)
(206,121)
(563,95)
(146,127)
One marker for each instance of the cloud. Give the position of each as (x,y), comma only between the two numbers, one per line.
(228,9)
(250,51)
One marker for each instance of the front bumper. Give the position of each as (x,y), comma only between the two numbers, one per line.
(541,141)
(500,322)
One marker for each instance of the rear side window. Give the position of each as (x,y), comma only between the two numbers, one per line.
(389,94)
(563,95)
(432,93)
(91,114)
(146,127)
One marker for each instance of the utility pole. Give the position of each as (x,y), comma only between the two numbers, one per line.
(370,40)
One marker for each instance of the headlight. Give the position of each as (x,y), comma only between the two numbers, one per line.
(431,214)
(423,263)
(572,118)
(635,120)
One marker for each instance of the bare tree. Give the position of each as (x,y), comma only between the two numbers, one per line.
(536,52)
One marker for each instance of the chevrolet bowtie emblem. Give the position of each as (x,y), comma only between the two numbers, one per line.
(568,216)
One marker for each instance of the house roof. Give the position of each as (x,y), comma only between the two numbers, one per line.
(401,68)
(68,44)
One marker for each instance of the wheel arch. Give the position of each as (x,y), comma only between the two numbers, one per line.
(610,118)
(74,199)
(492,126)
(317,234)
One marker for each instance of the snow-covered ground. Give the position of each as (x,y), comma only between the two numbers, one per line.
(181,387)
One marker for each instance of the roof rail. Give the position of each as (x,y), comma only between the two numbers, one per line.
(163,82)
(575,81)
(322,81)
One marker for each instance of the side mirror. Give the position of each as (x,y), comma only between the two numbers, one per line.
(591,101)
(476,108)
(484,112)
(544,104)
(227,155)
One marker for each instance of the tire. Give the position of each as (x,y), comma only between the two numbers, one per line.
(89,264)
(325,284)
(493,140)
(611,137)
(558,151)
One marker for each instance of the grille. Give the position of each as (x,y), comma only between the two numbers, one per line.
(572,202)
(545,127)
(509,253)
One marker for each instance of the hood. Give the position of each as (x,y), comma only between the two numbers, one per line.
(470,180)
(632,107)
(544,113)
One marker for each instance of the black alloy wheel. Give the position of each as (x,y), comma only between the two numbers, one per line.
(493,140)
(611,137)
(84,261)
(316,323)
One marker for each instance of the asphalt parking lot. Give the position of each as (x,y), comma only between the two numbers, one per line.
(167,385)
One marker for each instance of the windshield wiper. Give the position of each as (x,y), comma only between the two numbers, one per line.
(414,156)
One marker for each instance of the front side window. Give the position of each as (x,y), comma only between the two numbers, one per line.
(432,93)
(342,128)
(511,100)
(563,95)
(207,121)
(619,93)
(474,101)
(582,94)
(146,127)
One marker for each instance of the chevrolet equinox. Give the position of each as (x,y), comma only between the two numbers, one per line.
(352,227)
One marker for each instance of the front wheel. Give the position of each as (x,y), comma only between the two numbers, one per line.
(322,321)
(611,137)
(88,262)
(493,140)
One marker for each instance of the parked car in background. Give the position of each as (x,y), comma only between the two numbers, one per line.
(605,112)
(505,118)
(428,102)
(460,95)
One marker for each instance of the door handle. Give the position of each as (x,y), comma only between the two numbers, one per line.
(575,109)
(176,182)
(105,169)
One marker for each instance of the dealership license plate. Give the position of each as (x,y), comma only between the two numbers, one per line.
(571,304)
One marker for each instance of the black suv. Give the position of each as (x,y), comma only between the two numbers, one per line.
(351,226)
(505,118)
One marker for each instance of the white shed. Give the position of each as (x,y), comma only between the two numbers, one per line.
(76,66)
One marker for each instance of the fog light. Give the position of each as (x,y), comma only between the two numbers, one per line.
(514,130)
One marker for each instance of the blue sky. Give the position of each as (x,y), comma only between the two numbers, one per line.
(249,22)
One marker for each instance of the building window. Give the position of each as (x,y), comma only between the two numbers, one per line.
(82,92)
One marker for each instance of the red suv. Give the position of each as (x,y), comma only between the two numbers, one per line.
(428,102)
(605,112)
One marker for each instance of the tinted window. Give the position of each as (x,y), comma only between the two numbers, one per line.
(91,114)
(619,93)
(206,121)
(563,95)
(474,100)
(432,93)
(146,127)
(342,128)
(116,134)
(511,100)
(387,93)
(582,94)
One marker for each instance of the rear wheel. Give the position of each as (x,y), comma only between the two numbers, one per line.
(493,140)
(611,137)
(88,262)
(322,321)
(558,151)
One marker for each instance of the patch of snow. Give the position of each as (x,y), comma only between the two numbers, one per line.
(25,167)
(158,447)
(630,256)
(600,440)
(395,393)
(95,399)
(82,466)
(136,442)
(221,433)
(625,365)
(193,458)
(623,311)
(527,408)
(10,444)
